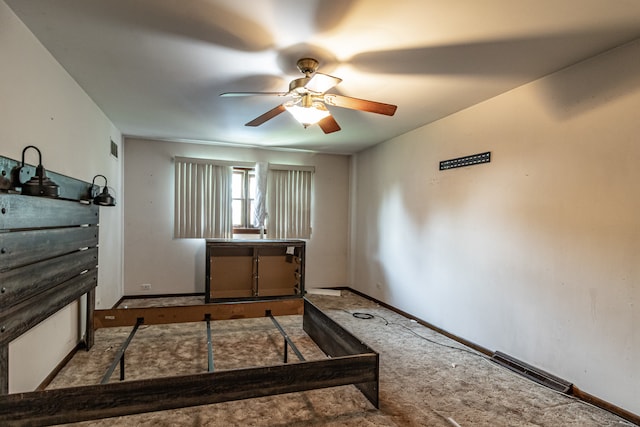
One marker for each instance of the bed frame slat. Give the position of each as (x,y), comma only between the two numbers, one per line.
(26,247)
(57,406)
(22,317)
(196,313)
(335,341)
(25,282)
(4,367)
(18,212)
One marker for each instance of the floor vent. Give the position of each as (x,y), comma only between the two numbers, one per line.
(533,373)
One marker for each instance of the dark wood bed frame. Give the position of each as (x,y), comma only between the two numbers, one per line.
(48,260)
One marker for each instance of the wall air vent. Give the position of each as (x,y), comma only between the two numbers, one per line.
(533,373)
(114,149)
(459,162)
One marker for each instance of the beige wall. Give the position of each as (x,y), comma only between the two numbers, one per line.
(536,254)
(41,105)
(153,256)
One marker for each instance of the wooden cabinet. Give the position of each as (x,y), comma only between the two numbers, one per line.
(252,269)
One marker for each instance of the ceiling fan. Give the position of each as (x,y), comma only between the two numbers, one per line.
(309,99)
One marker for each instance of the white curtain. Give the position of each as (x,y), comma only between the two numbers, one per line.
(202,199)
(289,202)
(260,206)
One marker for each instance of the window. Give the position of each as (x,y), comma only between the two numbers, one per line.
(243,197)
(217,198)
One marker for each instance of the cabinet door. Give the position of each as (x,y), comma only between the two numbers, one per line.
(278,270)
(232,272)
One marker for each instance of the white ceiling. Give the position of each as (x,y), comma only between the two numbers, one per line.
(156,67)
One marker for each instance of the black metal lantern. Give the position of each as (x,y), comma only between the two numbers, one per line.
(103,198)
(39,184)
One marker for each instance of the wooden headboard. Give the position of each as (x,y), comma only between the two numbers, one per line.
(48,258)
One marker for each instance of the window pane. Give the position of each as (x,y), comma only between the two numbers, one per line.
(243,192)
(251,214)
(252,185)
(236,212)
(236,186)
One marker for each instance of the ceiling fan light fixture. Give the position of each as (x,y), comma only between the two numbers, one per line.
(309,97)
(307,116)
(321,83)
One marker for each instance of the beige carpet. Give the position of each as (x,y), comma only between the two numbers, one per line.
(426,379)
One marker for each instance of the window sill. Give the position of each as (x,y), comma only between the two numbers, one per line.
(248,231)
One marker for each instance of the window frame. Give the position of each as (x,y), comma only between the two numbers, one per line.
(246,227)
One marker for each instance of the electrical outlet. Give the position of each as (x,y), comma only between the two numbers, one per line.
(378,285)
(146,286)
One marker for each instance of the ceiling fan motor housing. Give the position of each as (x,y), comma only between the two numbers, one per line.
(307,66)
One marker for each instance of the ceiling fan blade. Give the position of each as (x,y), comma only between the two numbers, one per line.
(322,82)
(266,116)
(230,94)
(329,124)
(360,104)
